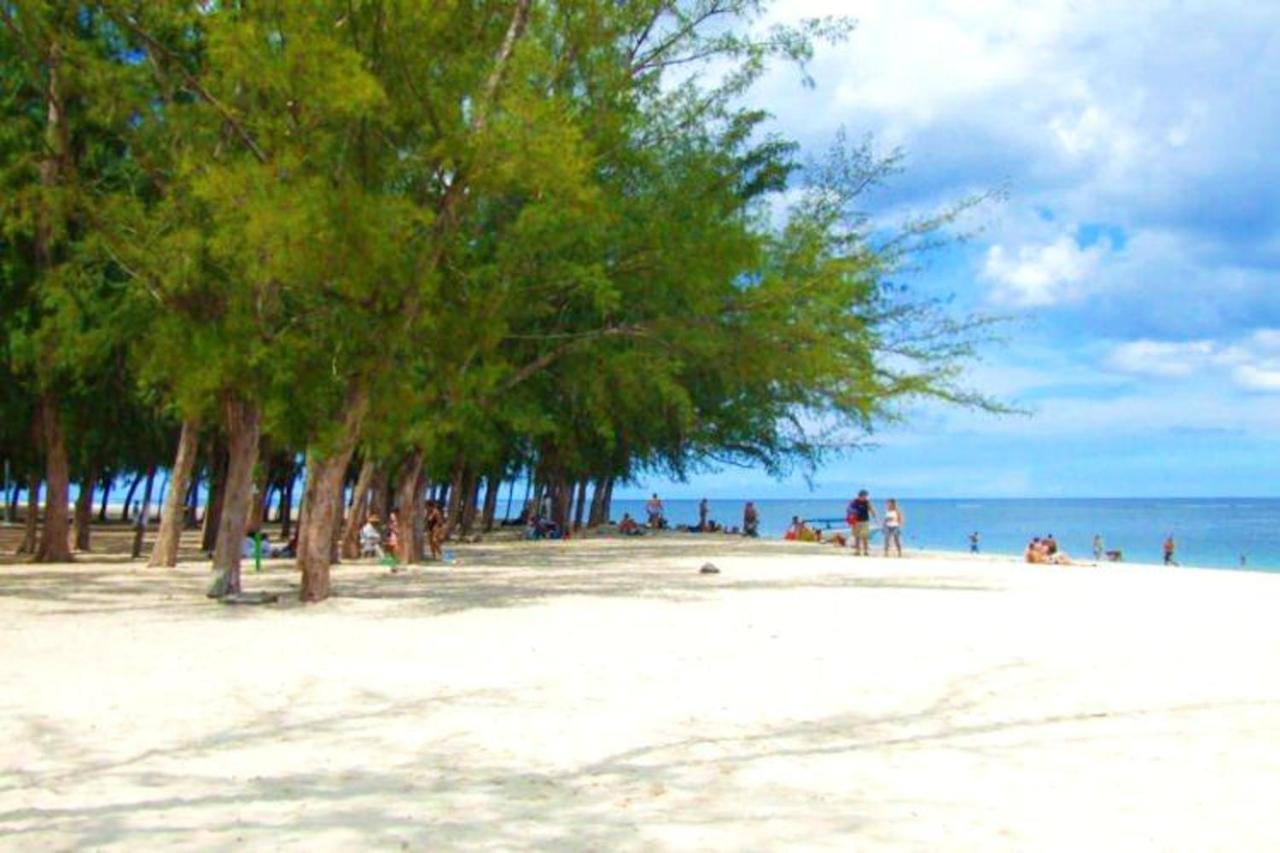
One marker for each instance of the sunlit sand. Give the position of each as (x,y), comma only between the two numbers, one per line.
(604,695)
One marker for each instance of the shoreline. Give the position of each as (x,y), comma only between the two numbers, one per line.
(940,553)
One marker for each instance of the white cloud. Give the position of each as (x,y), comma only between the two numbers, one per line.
(1161,358)
(1251,364)
(1042,275)
(1255,378)
(1081,109)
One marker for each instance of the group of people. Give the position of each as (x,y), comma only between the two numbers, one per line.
(657,520)
(859,515)
(1045,550)
(257,544)
(380,540)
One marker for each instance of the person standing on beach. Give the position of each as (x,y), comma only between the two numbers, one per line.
(893,521)
(703,508)
(653,508)
(436,529)
(859,516)
(750,520)
(1098,547)
(1169,547)
(973,542)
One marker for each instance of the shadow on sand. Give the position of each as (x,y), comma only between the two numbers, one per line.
(486,577)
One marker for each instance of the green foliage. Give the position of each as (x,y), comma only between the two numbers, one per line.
(523,232)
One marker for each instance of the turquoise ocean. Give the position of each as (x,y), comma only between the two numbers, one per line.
(1210,532)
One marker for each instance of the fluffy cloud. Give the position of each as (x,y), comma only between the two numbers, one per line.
(1251,364)
(1082,109)
(1161,358)
(1039,276)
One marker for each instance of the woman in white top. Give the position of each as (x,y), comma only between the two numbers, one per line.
(893,520)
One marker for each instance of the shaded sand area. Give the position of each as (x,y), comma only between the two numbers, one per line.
(603,695)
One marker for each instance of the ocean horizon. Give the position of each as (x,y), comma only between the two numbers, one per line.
(1216,533)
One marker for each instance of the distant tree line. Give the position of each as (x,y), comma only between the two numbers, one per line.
(351,254)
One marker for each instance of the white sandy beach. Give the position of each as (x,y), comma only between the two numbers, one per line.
(604,695)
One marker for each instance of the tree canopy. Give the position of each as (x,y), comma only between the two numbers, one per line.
(443,241)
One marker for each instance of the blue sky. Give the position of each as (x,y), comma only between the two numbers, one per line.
(1137,253)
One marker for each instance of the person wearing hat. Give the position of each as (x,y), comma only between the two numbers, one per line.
(859,516)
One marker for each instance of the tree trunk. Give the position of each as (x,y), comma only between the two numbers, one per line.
(454,508)
(528,493)
(217,497)
(258,498)
(406,496)
(468,510)
(84,509)
(321,497)
(379,500)
(174,515)
(244,427)
(511,495)
(561,501)
(418,518)
(359,510)
(596,516)
(286,506)
(493,487)
(608,500)
(128,497)
(192,508)
(140,525)
(32,520)
(55,546)
(106,496)
(582,504)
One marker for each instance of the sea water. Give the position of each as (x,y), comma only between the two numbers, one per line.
(1213,533)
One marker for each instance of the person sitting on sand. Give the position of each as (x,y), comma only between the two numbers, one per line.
(1035,552)
(799,531)
(628,526)
(289,549)
(1050,544)
(750,520)
(249,546)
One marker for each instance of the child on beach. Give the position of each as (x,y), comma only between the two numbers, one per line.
(1169,546)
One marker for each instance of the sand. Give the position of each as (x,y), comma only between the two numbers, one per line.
(603,695)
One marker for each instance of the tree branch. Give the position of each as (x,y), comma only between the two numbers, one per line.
(519,21)
(153,44)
